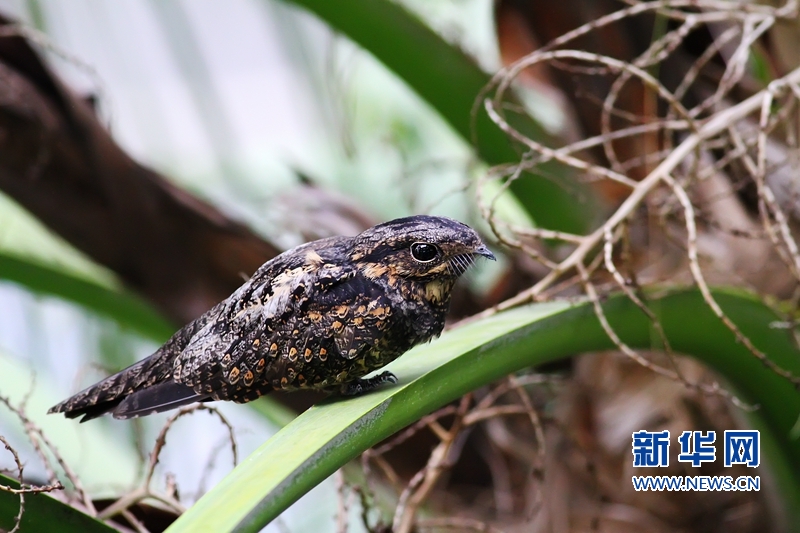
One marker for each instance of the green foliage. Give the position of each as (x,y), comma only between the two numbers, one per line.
(314,445)
(451,83)
(324,438)
(330,434)
(122,306)
(44,514)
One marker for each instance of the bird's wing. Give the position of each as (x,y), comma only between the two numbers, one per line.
(352,314)
(155,384)
(310,311)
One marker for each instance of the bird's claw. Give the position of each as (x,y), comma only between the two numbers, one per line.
(360,386)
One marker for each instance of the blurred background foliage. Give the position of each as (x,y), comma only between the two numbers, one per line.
(246,127)
(255,107)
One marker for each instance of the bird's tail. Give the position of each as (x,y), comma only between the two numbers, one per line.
(135,391)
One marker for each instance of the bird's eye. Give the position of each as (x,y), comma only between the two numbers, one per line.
(424,252)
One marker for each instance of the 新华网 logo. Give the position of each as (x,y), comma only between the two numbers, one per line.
(740,447)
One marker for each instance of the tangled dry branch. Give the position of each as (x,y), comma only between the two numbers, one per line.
(77,496)
(145,491)
(451,425)
(718,142)
(44,449)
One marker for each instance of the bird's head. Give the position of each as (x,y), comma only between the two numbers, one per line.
(419,248)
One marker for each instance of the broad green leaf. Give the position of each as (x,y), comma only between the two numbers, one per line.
(118,305)
(44,514)
(327,436)
(451,83)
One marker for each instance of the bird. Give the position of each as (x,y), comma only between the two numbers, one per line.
(320,316)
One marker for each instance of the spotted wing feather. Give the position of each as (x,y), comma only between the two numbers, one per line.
(327,316)
(164,366)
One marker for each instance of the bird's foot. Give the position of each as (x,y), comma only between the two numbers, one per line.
(360,386)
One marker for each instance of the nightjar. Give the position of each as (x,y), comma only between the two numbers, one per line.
(320,316)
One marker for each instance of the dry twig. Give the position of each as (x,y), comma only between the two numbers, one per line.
(144,491)
(713,123)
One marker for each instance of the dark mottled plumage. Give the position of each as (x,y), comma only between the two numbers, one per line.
(319,316)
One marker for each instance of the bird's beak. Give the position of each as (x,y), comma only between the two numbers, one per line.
(485,252)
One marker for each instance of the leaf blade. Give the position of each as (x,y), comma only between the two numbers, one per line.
(324,438)
(44,514)
(121,306)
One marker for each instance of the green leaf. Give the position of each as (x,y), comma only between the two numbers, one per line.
(44,514)
(118,305)
(327,436)
(451,83)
